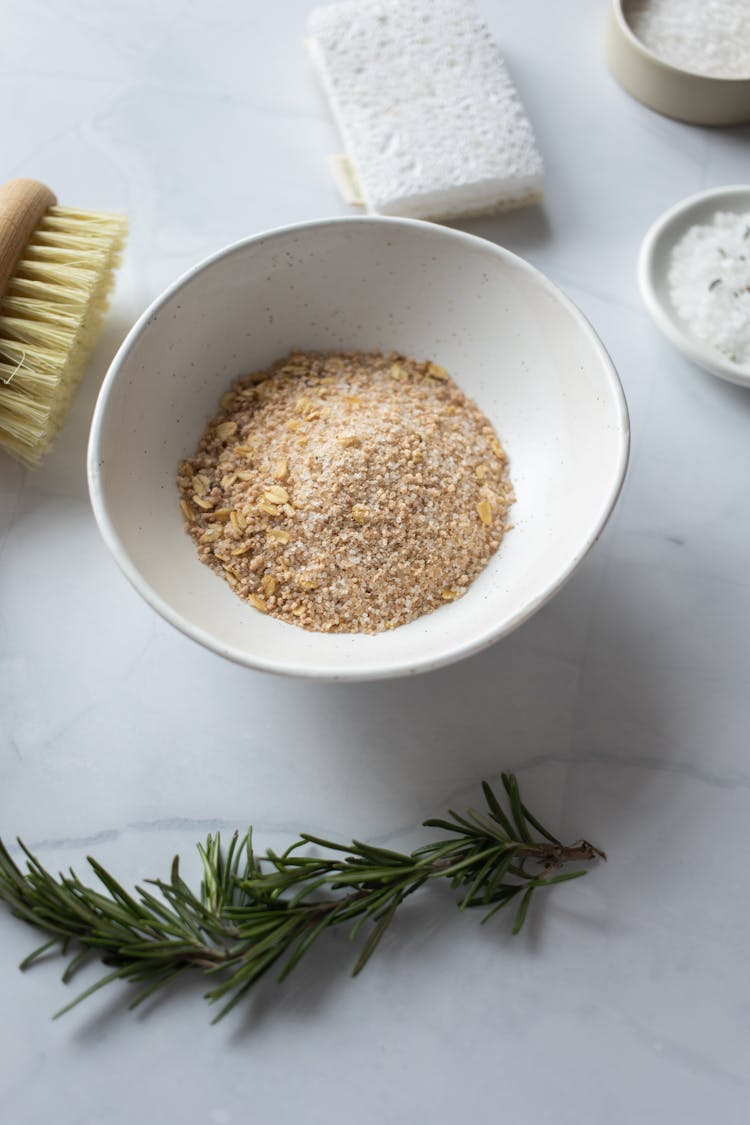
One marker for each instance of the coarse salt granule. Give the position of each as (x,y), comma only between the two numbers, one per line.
(431,121)
(709,37)
(709,283)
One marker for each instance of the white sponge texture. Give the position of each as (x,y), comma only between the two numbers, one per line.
(429,116)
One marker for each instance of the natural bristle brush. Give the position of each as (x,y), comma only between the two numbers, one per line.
(56,271)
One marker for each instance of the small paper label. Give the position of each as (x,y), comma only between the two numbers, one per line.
(346,180)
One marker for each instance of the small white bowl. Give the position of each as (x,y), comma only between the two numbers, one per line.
(511,339)
(653,275)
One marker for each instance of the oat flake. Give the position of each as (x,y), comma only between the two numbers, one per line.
(347,493)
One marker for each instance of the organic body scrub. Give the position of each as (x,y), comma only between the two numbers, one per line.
(347,493)
(709,283)
(709,37)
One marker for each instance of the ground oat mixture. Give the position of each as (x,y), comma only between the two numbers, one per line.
(347,493)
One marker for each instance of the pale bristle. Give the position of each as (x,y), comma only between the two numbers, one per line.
(49,321)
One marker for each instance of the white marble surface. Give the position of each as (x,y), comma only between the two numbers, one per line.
(624,705)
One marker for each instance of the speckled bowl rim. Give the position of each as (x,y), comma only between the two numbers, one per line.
(342,672)
(656,246)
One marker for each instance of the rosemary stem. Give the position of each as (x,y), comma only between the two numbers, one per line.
(251,913)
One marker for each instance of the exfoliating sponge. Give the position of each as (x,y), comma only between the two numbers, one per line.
(432,123)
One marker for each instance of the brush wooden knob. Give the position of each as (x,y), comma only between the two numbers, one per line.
(22,205)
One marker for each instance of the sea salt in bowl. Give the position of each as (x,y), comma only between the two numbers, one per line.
(655,260)
(510,339)
(685,92)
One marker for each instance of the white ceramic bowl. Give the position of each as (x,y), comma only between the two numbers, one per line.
(653,275)
(511,339)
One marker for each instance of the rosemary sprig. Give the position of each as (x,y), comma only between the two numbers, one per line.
(252,913)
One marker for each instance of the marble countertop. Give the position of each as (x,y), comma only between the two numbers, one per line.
(624,705)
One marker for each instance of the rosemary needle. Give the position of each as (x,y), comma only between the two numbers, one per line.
(253,913)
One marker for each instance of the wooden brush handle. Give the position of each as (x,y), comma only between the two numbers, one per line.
(22,205)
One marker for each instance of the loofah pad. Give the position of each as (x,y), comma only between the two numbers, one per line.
(431,120)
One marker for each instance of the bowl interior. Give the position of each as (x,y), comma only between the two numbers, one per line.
(653,275)
(510,339)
